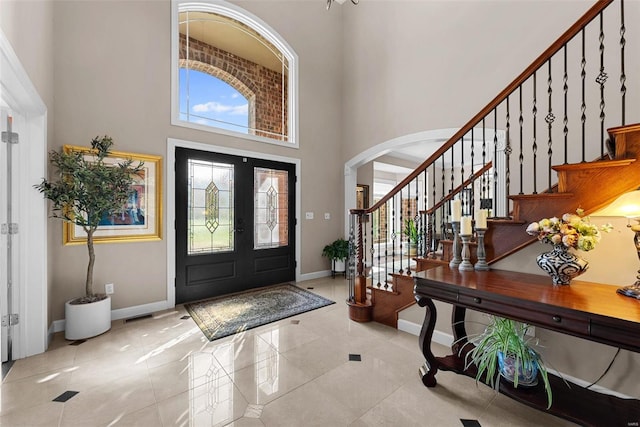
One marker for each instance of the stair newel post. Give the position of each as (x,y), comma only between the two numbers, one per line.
(360,294)
(360,309)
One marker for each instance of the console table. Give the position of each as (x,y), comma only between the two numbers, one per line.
(587,310)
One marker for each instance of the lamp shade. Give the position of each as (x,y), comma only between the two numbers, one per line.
(627,205)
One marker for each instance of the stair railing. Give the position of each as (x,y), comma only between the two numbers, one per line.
(508,148)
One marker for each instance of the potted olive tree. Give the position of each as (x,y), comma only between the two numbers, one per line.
(337,252)
(87,188)
(504,349)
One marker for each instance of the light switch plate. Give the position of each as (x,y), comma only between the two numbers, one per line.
(309,215)
(327,215)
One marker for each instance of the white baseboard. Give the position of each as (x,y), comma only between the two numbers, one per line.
(121,313)
(447,340)
(414,329)
(315,275)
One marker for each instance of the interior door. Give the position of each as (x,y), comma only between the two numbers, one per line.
(235,224)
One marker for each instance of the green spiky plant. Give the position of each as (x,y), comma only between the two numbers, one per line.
(509,338)
(411,231)
(85,190)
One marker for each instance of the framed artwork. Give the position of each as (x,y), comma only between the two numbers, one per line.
(362,196)
(140,218)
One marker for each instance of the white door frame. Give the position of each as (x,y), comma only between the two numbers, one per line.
(31,334)
(170,193)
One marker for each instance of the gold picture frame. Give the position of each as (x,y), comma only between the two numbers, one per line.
(141,217)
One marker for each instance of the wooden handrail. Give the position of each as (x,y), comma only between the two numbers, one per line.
(593,12)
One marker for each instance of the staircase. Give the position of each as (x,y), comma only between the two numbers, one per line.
(558,127)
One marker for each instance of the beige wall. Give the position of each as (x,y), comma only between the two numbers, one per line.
(112,76)
(411,66)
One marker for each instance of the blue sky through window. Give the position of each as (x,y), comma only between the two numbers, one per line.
(212,102)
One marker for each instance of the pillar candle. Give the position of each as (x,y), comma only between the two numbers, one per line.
(465,225)
(456,210)
(481,219)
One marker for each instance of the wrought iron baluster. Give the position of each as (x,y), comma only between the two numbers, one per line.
(623,77)
(521,156)
(452,169)
(386,240)
(534,112)
(549,119)
(433,187)
(461,160)
(495,157)
(379,248)
(565,120)
(601,80)
(393,238)
(371,249)
(583,106)
(401,226)
(442,218)
(473,193)
(484,159)
(507,155)
(417,213)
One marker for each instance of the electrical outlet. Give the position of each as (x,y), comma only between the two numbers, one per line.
(109,289)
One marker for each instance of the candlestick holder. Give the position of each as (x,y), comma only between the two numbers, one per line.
(481,265)
(465,265)
(456,260)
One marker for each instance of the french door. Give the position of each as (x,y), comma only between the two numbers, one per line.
(235,223)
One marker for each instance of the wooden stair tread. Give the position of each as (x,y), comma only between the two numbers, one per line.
(504,221)
(541,196)
(593,165)
(624,129)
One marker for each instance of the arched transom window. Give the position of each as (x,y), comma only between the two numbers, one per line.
(232,74)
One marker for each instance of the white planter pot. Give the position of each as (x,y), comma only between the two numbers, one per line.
(87,320)
(339,266)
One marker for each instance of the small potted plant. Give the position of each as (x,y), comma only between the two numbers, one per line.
(505,349)
(411,231)
(337,252)
(87,189)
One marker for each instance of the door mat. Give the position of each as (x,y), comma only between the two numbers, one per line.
(230,314)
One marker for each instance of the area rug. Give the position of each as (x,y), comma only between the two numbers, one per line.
(230,314)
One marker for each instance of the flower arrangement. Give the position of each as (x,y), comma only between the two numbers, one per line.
(572,231)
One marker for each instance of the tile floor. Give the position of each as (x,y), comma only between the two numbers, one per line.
(161,371)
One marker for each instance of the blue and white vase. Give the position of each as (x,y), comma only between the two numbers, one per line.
(561,264)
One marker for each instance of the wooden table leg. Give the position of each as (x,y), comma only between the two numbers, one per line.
(458,328)
(430,368)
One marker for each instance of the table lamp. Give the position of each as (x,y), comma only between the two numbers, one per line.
(628,206)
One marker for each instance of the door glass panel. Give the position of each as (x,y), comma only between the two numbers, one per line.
(210,209)
(271,208)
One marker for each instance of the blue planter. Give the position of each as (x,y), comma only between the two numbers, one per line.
(527,375)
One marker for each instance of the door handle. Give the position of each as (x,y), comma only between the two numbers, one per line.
(239,230)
